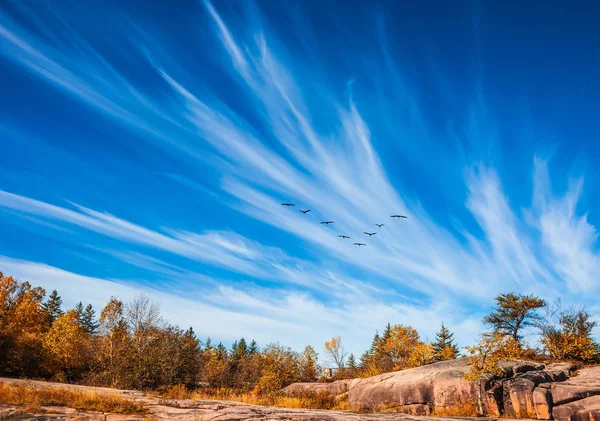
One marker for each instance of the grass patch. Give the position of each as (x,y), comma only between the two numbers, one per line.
(461,409)
(305,400)
(32,398)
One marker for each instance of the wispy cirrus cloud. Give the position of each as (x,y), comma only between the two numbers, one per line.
(416,271)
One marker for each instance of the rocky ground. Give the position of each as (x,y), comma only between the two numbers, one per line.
(159,409)
(525,390)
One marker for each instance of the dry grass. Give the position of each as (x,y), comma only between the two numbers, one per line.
(178,391)
(302,400)
(32,398)
(461,409)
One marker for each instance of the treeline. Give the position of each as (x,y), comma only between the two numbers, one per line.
(129,345)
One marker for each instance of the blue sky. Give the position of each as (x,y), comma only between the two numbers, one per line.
(147,146)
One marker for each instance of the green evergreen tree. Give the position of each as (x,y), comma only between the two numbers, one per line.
(253,348)
(79,311)
(88,320)
(52,307)
(444,347)
(221,350)
(239,350)
(352,362)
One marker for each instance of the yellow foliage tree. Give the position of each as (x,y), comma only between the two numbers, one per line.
(567,335)
(404,347)
(21,326)
(281,367)
(67,345)
(113,341)
(485,358)
(309,368)
(336,351)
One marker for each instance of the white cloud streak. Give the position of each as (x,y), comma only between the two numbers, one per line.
(334,170)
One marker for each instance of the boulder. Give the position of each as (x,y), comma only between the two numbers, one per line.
(525,389)
(437,385)
(587,409)
(542,402)
(518,396)
(586,383)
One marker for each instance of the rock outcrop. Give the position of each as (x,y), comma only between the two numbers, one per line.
(525,390)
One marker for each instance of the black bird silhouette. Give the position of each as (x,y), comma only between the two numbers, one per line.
(287,204)
(370,234)
(343,236)
(305,211)
(399,216)
(359,244)
(379,225)
(327,222)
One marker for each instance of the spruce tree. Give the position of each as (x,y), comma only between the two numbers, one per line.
(352,362)
(52,307)
(239,349)
(88,320)
(253,348)
(444,347)
(221,350)
(79,312)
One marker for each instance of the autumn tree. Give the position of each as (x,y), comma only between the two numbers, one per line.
(215,365)
(444,347)
(281,367)
(336,352)
(485,357)
(113,343)
(566,334)
(67,345)
(513,312)
(22,322)
(401,347)
(309,367)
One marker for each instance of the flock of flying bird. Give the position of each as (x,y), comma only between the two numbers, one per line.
(345,237)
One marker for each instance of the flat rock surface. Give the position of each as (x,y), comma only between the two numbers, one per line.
(185,409)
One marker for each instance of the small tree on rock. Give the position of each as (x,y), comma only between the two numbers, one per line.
(513,312)
(566,334)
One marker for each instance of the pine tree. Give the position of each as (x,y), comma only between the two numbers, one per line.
(239,350)
(79,312)
(52,307)
(352,362)
(513,312)
(387,333)
(444,347)
(253,348)
(221,350)
(88,320)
